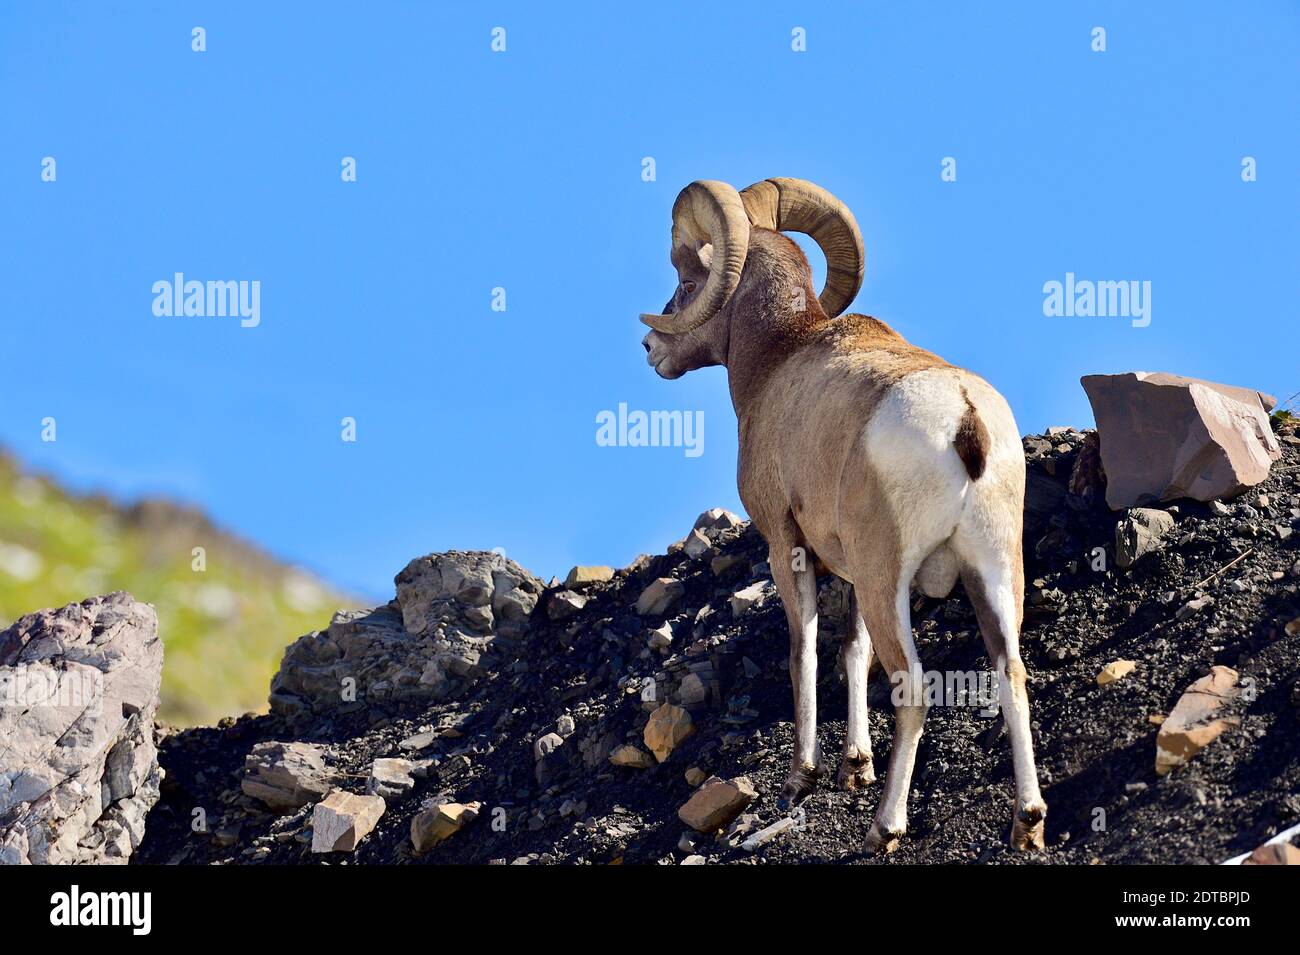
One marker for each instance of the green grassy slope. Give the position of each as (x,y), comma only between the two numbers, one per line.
(224,628)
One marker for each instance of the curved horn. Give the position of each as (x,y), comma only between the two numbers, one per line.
(708,211)
(797,205)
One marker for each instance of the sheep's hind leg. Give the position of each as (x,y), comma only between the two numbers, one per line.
(798,589)
(995,593)
(856,769)
(889,622)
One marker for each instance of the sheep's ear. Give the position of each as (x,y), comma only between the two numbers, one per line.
(690,258)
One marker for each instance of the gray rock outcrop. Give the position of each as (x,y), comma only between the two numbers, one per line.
(433,640)
(78,765)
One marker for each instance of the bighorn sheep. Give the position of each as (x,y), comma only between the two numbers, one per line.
(860,454)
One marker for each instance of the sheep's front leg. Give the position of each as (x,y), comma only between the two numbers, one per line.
(857,770)
(798,590)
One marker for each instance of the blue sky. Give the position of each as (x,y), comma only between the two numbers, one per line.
(523,170)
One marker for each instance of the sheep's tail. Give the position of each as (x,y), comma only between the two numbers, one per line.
(971,440)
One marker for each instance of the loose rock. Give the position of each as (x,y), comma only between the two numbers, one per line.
(659,597)
(1139,533)
(743,600)
(1115,671)
(632,757)
(342,819)
(581,576)
(286,776)
(665,730)
(716,803)
(438,823)
(391,778)
(1195,721)
(1279,853)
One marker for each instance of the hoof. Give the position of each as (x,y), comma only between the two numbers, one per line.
(1027,828)
(856,772)
(881,842)
(798,786)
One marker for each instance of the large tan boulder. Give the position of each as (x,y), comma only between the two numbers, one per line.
(1164,436)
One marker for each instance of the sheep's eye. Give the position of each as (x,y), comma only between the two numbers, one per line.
(688,287)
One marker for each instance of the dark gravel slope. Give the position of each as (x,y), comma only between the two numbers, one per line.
(1095,744)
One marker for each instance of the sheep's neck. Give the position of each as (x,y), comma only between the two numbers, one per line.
(759,340)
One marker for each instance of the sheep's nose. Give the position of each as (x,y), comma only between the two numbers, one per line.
(646,343)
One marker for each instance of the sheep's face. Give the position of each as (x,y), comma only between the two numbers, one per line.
(672,356)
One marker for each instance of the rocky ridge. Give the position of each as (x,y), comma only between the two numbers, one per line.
(612,717)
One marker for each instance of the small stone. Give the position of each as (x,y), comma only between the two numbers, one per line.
(766,835)
(659,597)
(543,746)
(716,803)
(564,604)
(660,638)
(1219,509)
(717,519)
(743,600)
(696,545)
(632,757)
(694,776)
(286,776)
(437,823)
(581,576)
(1139,533)
(391,778)
(1193,607)
(667,727)
(694,860)
(565,726)
(692,691)
(1279,853)
(1195,722)
(342,819)
(413,744)
(1115,671)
